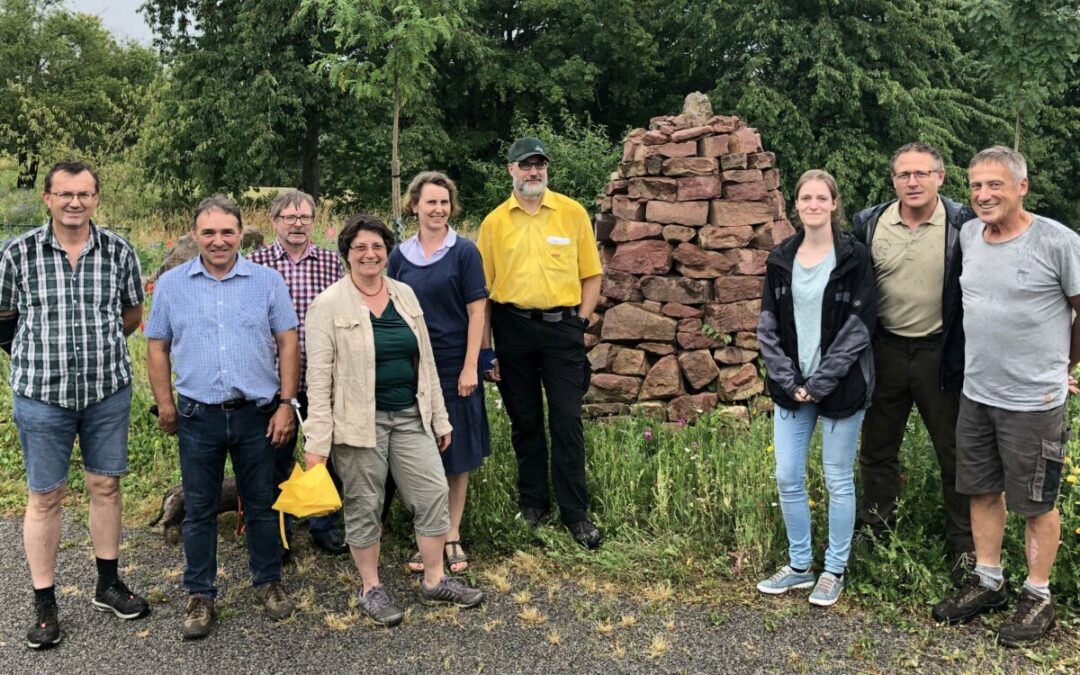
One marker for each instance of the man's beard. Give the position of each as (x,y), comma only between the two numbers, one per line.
(531,190)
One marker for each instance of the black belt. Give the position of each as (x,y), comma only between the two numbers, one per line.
(235,404)
(936,337)
(554,315)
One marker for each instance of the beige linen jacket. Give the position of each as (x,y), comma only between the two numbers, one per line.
(341,368)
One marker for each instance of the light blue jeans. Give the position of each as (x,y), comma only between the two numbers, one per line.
(792,430)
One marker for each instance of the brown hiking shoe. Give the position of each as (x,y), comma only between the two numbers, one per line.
(198,618)
(1033,618)
(273,598)
(970,601)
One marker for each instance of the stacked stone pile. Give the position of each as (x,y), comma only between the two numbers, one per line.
(684,228)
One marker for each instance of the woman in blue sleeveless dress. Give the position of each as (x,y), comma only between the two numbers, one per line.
(447,275)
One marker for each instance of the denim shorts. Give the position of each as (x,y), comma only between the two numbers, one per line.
(47,433)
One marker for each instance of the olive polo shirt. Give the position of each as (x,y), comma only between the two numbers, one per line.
(538,261)
(909,264)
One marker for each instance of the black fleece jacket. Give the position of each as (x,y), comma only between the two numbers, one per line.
(951,370)
(844,381)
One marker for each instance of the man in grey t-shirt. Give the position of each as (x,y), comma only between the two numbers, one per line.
(1021,285)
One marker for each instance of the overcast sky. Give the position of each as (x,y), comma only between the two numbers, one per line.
(122,17)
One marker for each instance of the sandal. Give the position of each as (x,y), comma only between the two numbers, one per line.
(415,563)
(457,557)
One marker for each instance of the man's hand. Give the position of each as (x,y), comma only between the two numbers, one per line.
(467,382)
(166,419)
(282,426)
(443,442)
(493,374)
(311,459)
(1073,389)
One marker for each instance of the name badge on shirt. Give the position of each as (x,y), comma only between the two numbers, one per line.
(559,241)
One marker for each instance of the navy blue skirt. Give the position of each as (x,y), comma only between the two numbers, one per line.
(470,442)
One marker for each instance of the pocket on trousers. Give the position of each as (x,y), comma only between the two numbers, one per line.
(1047,479)
(186,408)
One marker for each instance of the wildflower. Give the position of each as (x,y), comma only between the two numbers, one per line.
(142,326)
(149,286)
(1078,530)
(330,234)
(812,503)
(1075,470)
(647,434)
(770,448)
(168,243)
(1072,479)
(1068,459)
(695,445)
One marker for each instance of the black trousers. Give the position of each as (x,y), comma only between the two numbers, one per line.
(907,372)
(538,358)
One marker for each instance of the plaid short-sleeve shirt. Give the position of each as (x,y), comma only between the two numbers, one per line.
(69,347)
(312,274)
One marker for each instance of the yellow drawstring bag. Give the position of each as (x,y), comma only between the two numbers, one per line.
(306,493)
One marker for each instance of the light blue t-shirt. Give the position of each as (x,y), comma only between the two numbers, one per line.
(807,292)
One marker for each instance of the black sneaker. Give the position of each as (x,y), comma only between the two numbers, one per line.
(379,608)
(1033,618)
(46,629)
(533,515)
(586,534)
(963,564)
(198,617)
(332,541)
(451,591)
(119,600)
(970,601)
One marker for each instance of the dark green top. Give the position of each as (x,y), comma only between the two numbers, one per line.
(395,361)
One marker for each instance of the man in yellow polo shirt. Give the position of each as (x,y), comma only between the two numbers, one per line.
(543,276)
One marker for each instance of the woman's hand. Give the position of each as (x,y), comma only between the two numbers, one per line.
(467,382)
(803,396)
(311,459)
(443,442)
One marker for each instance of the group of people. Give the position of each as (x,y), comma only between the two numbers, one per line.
(969,313)
(375,351)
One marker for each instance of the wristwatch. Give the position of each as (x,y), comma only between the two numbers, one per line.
(291,401)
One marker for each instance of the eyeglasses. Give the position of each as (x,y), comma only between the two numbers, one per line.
(920,176)
(291,220)
(540,164)
(68,196)
(363,248)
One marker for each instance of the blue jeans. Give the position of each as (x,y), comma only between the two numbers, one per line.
(792,430)
(207,435)
(47,435)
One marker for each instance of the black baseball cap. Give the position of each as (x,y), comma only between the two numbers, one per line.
(526,147)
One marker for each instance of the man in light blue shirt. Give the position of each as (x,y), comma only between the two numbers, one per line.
(227,327)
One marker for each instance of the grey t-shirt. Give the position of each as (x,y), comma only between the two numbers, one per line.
(807,292)
(1017,316)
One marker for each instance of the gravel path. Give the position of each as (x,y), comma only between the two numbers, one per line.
(532,622)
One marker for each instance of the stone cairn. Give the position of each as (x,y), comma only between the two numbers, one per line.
(684,228)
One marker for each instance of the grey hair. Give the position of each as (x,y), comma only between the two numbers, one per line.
(221,203)
(288,198)
(1000,154)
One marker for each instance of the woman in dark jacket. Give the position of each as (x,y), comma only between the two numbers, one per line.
(818,310)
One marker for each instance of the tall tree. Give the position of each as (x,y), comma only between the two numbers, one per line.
(241,105)
(66,86)
(387,45)
(1031,52)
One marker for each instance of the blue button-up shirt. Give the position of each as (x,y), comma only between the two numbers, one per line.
(222,331)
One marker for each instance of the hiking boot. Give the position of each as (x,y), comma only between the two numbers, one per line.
(963,564)
(970,601)
(273,598)
(533,515)
(119,600)
(786,579)
(198,617)
(332,542)
(827,591)
(586,534)
(451,591)
(1033,618)
(379,608)
(46,629)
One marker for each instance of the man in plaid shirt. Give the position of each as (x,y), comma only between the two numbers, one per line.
(75,292)
(308,269)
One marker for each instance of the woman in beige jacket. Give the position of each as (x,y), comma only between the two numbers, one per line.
(375,405)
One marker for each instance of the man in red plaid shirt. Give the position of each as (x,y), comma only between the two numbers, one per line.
(308,269)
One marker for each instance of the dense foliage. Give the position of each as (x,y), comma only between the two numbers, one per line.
(301,92)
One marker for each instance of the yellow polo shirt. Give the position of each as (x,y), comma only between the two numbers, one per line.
(909,264)
(538,261)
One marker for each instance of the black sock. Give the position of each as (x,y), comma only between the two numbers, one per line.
(107,574)
(47,595)
(796,570)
